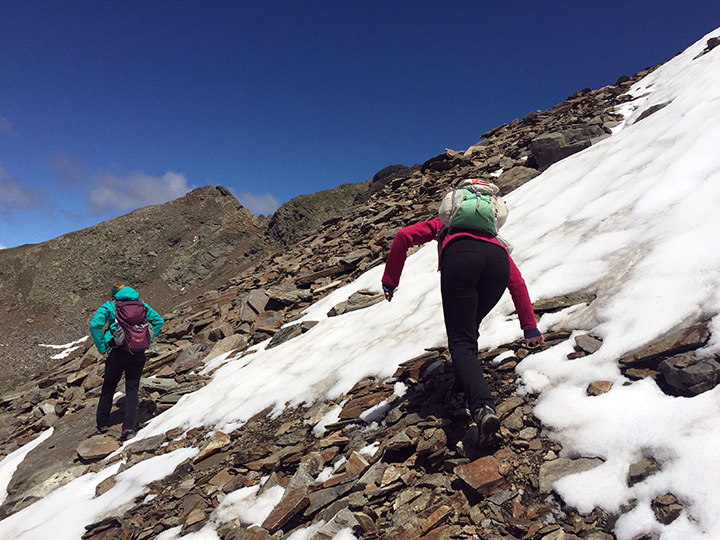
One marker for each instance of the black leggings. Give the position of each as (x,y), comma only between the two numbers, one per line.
(119,361)
(474,276)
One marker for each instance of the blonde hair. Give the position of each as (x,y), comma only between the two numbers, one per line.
(116,288)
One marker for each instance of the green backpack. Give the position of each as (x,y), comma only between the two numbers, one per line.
(474,204)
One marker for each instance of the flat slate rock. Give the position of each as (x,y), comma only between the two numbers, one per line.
(552,471)
(97,448)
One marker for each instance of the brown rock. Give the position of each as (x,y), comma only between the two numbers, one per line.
(77,377)
(400,441)
(218,440)
(557,534)
(356,464)
(667,508)
(683,340)
(432,440)
(357,406)
(599,387)
(222,479)
(642,469)
(105,485)
(482,474)
(508,405)
(438,516)
(290,505)
(415,367)
(195,516)
(97,448)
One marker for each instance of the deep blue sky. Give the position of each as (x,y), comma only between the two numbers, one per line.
(108,106)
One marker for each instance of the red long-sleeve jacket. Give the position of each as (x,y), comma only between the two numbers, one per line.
(420,233)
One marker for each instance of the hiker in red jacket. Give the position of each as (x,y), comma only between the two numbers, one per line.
(475,270)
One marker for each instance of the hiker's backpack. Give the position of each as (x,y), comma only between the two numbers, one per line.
(133,332)
(474,204)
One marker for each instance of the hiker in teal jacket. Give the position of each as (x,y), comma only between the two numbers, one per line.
(103,321)
(119,360)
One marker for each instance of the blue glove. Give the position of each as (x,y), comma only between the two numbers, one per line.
(533,332)
(389,291)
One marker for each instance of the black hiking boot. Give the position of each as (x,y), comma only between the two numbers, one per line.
(455,404)
(488,425)
(127,434)
(102,429)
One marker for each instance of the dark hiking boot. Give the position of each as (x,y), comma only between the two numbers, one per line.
(128,434)
(455,404)
(487,421)
(102,429)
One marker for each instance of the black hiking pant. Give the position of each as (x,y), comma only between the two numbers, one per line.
(474,276)
(120,361)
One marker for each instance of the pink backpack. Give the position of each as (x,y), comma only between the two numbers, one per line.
(133,332)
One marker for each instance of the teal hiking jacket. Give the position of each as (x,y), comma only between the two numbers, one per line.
(103,322)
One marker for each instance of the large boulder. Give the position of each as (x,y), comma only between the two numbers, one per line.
(550,148)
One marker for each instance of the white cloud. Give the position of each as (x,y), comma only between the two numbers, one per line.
(259,204)
(5,125)
(135,190)
(67,164)
(13,196)
(2,247)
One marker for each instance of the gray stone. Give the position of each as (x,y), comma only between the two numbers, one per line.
(550,148)
(502,496)
(676,342)
(306,472)
(282,296)
(650,111)
(515,177)
(189,357)
(225,345)
(373,475)
(285,334)
(257,299)
(52,458)
(354,257)
(552,471)
(344,519)
(588,343)
(147,445)
(323,497)
(358,300)
(556,303)
(158,384)
(363,299)
(697,377)
(642,469)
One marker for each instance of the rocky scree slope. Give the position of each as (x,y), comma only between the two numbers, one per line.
(421,481)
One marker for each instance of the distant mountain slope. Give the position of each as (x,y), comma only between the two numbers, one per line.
(49,290)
